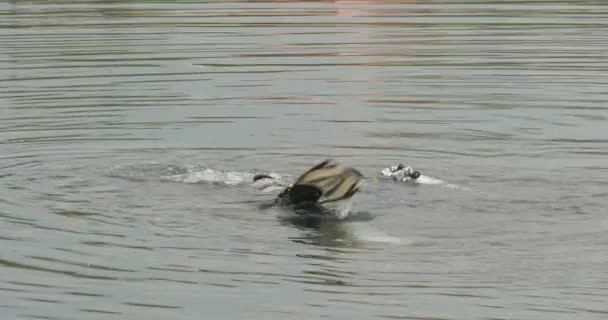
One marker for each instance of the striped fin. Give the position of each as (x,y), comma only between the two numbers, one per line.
(331,182)
(348,185)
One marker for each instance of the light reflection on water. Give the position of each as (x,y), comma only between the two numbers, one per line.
(502,104)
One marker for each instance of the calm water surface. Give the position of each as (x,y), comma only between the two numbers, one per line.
(128,130)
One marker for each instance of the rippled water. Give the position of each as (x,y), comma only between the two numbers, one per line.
(129,130)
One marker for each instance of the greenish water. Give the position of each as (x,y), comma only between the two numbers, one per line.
(128,130)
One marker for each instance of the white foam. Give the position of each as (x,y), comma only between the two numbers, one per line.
(429,180)
(403,174)
(196,175)
(434,181)
(365,234)
(340,209)
(230,178)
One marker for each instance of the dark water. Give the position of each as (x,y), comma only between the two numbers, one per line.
(117,116)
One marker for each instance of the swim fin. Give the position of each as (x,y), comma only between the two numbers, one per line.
(325,182)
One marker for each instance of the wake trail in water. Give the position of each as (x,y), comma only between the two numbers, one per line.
(200,174)
(423,179)
(207,175)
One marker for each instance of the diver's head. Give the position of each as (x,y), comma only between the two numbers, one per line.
(414,175)
(261,176)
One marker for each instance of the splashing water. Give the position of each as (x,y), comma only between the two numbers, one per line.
(434,181)
(207,175)
(341,209)
(198,174)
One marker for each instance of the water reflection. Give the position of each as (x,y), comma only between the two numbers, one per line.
(318,231)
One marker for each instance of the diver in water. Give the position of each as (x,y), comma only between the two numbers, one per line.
(325,182)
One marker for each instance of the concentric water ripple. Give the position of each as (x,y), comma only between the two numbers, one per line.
(129,130)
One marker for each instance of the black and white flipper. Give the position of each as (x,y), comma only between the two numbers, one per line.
(325,182)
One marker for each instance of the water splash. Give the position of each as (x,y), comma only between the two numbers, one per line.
(207,175)
(434,181)
(341,209)
(200,174)
(429,180)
